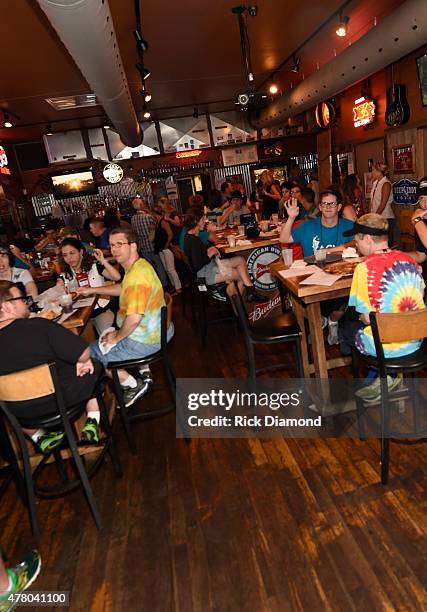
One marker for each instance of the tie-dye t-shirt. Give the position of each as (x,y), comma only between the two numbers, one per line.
(386,282)
(142,293)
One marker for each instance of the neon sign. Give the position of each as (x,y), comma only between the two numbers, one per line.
(363,112)
(192,153)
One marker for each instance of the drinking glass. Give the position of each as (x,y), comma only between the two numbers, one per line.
(320,256)
(231,241)
(288,257)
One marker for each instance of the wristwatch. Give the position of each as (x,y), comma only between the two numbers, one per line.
(417,220)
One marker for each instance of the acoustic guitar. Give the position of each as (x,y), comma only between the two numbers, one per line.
(397,110)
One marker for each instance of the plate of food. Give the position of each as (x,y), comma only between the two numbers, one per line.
(344,268)
(51,314)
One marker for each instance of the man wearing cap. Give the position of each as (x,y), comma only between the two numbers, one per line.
(419,221)
(236,208)
(386,281)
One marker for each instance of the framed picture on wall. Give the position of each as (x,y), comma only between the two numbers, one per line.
(422,77)
(404,159)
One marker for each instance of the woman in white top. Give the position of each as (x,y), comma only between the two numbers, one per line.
(19,276)
(79,270)
(382,197)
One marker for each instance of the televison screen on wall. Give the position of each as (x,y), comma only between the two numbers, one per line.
(422,76)
(73,183)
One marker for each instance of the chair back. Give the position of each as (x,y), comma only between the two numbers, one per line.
(165,319)
(27,385)
(399,327)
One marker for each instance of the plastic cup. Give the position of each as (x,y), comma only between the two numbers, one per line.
(264,226)
(231,241)
(241,230)
(320,255)
(66,302)
(275,218)
(288,257)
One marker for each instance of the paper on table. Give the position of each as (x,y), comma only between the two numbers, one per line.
(65,316)
(321,278)
(243,242)
(88,301)
(298,271)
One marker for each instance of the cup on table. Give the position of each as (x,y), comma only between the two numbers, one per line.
(320,255)
(66,302)
(288,257)
(275,218)
(264,226)
(241,230)
(231,241)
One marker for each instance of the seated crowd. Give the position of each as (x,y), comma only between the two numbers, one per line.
(160,249)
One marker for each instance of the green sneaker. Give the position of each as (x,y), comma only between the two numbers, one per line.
(371,394)
(48,441)
(21,577)
(90,432)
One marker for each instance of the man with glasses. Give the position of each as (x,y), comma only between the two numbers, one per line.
(33,342)
(138,319)
(324,232)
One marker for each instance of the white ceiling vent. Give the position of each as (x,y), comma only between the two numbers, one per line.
(68,102)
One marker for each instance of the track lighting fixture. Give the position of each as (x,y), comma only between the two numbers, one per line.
(342,27)
(196,113)
(141,43)
(49,130)
(147,114)
(143,71)
(295,64)
(6,121)
(273,89)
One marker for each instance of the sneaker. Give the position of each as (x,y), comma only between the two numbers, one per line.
(131,395)
(216,295)
(372,393)
(48,441)
(332,332)
(21,577)
(324,321)
(90,432)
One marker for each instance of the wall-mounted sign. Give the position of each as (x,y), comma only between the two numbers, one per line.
(363,111)
(404,159)
(405,192)
(234,156)
(325,114)
(113,173)
(3,162)
(192,153)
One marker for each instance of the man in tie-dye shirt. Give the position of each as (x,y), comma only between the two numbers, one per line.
(386,281)
(141,299)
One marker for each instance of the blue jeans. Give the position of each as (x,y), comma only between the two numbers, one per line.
(127,349)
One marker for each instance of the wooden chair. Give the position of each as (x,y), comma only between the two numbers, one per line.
(387,328)
(42,382)
(278,329)
(160,355)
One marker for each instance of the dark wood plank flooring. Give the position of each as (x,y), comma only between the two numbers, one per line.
(236,525)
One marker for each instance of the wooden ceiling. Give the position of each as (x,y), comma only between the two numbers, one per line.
(194,55)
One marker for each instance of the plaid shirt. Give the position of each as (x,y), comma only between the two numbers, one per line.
(143,225)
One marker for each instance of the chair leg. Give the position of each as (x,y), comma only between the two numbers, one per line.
(123,412)
(385,428)
(82,473)
(60,465)
(298,357)
(385,459)
(251,360)
(203,321)
(105,424)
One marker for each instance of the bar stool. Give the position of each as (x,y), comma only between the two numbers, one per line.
(160,355)
(42,382)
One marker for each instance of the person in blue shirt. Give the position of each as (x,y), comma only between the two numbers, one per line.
(324,232)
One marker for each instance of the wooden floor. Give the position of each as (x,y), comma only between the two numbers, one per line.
(236,525)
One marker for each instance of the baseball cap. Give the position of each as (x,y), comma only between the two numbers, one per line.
(236,194)
(422,187)
(366,228)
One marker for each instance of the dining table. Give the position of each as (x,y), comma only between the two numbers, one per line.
(306,302)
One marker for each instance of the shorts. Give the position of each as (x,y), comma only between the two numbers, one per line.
(127,349)
(209,272)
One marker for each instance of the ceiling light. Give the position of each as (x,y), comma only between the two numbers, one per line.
(147,96)
(295,64)
(106,126)
(342,27)
(196,113)
(147,115)
(141,43)
(273,89)
(143,71)
(251,76)
(49,130)
(7,122)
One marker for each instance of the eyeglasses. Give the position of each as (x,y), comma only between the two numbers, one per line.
(27,299)
(295,190)
(329,204)
(118,245)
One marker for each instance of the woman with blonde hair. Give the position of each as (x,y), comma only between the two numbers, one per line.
(382,197)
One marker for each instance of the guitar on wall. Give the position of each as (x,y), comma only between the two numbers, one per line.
(397,110)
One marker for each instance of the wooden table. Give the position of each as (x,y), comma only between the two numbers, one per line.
(77,323)
(306,301)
